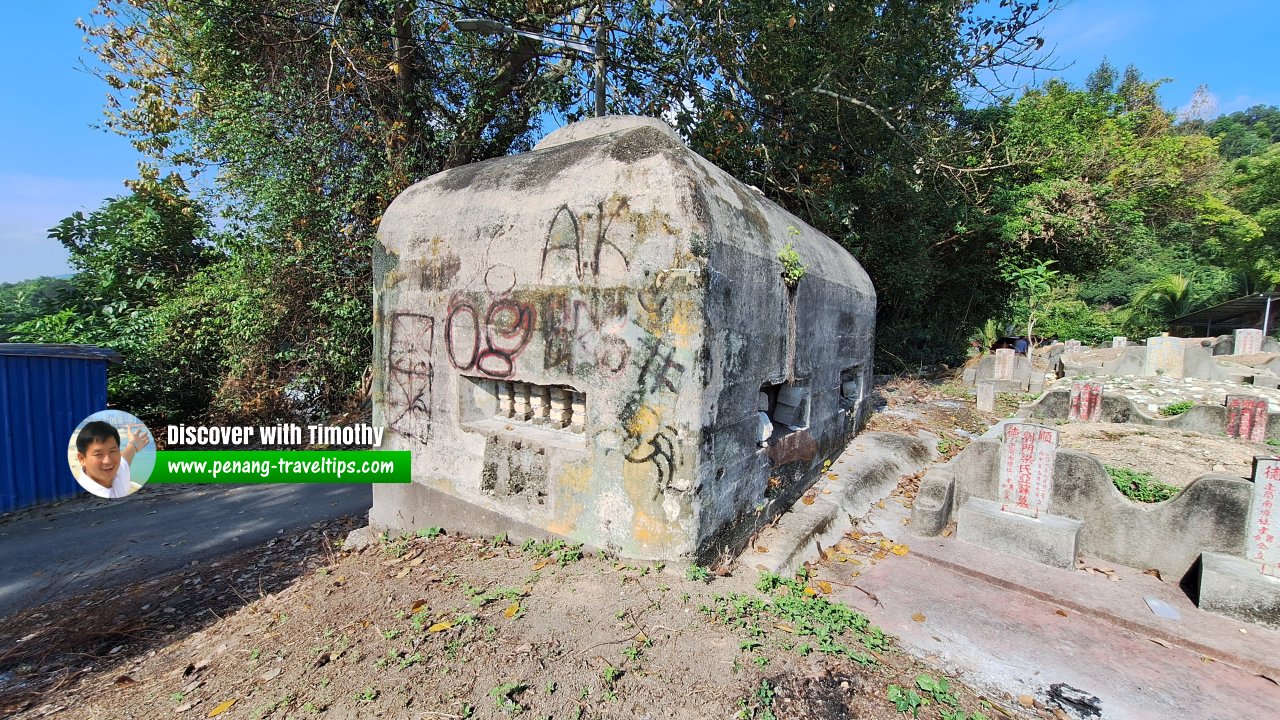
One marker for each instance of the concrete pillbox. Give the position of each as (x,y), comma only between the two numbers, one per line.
(1048,539)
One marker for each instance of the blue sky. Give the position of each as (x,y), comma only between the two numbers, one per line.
(53,160)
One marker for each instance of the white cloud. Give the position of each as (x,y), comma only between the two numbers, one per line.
(29,206)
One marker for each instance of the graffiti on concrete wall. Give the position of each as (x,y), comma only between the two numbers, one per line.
(584,333)
(492,344)
(567,238)
(411,374)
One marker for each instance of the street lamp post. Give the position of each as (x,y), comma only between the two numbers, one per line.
(597,53)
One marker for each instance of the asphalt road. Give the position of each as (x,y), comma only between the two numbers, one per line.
(86,543)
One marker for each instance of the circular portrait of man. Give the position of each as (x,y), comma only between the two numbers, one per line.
(111,454)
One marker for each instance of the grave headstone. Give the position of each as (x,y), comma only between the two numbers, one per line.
(1026,468)
(1073,345)
(987,396)
(1164,356)
(1248,342)
(1086,402)
(1261,545)
(1247,418)
(1006,361)
(1119,341)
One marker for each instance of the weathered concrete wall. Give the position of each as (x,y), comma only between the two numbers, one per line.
(617,266)
(1208,419)
(1209,515)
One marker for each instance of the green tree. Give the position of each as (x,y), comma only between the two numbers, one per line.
(854,117)
(1248,230)
(133,255)
(313,117)
(1034,283)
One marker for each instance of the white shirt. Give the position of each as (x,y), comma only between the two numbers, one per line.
(120,486)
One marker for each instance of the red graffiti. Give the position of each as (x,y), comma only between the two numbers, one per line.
(506,330)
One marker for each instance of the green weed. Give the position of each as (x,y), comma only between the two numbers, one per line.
(697,573)
(504,697)
(367,695)
(937,689)
(1140,486)
(906,700)
(430,532)
(1176,408)
(759,706)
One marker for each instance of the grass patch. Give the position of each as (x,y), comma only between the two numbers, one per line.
(810,622)
(1176,408)
(1140,486)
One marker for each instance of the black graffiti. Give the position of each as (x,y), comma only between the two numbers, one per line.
(659,368)
(411,373)
(565,234)
(661,452)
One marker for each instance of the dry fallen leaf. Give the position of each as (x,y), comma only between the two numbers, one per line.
(761,549)
(810,591)
(222,707)
(440,626)
(1153,572)
(880,504)
(901,550)
(1062,613)
(417,605)
(807,499)
(785,627)
(918,617)
(824,586)
(542,563)
(125,680)
(511,610)
(946,533)
(403,572)
(270,675)
(1160,642)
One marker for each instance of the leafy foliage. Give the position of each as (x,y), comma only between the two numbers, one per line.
(1140,486)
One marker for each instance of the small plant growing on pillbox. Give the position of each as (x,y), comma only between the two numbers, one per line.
(792,267)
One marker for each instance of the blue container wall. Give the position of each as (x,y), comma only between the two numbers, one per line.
(42,399)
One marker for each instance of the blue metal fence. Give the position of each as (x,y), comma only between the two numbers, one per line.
(45,391)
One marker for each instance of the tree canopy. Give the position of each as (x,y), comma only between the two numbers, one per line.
(883,124)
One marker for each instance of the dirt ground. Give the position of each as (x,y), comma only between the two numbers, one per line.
(455,627)
(1173,457)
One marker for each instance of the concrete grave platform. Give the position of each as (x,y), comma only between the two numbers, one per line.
(1236,588)
(1049,539)
(1202,418)
(1209,515)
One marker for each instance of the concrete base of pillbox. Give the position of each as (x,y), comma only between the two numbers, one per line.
(1236,588)
(1049,539)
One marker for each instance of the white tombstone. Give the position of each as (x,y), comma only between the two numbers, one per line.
(1119,341)
(1164,356)
(1262,545)
(986,396)
(1073,346)
(1027,454)
(1248,342)
(1006,362)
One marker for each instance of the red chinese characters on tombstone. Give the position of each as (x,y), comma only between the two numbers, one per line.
(1086,402)
(1247,418)
(1026,468)
(1260,543)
